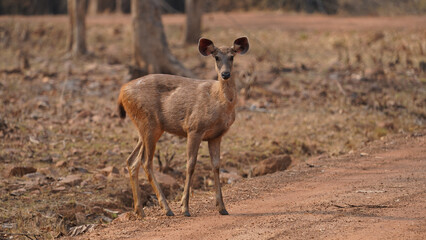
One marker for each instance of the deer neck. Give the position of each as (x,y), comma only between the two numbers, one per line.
(227,90)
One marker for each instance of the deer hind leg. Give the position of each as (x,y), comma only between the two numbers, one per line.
(214,150)
(193,144)
(133,164)
(150,141)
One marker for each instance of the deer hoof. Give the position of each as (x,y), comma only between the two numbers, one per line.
(186,214)
(223,212)
(169,213)
(139,213)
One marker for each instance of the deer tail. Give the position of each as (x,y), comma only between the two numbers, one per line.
(121,110)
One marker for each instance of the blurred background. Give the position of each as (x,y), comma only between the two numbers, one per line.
(346,7)
(322,78)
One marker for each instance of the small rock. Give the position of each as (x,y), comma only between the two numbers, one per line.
(61,164)
(46,160)
(58,189)
(78,169)
(18,192)
(108,170)
(363,154)
(229,177)
(113,176)
(105,219)
(99,177)
(71,180)
(272,164)
(21,171)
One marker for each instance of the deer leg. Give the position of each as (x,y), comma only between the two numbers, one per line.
(193,144)
(150,143)
(133,164)
(214,150)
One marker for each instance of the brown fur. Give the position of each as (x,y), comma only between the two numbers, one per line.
(201,110)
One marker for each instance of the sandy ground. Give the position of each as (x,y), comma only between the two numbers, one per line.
(377,193)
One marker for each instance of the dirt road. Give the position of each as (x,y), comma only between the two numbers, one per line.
(377,193)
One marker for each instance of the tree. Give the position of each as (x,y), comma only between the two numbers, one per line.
(77,38)
(119,6)
(151,50)
(194,12)
(93,7)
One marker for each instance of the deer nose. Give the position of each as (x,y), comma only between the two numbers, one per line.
(226,75)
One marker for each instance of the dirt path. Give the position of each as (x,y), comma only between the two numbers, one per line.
(378,196)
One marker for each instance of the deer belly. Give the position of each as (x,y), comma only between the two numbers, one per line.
(214,133)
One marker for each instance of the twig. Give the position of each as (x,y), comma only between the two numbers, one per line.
(340,87)
(21,234)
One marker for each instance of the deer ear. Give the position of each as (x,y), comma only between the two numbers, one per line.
(241,45)
(205,46)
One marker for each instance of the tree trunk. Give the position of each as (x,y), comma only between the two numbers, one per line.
(93,8)
(151,50)
(194,13)
(77,40)
(119,6)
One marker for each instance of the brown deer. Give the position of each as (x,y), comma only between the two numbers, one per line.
(200,110)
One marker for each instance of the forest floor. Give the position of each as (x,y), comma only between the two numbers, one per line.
(311,87)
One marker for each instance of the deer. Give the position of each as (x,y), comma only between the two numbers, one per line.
(200,110)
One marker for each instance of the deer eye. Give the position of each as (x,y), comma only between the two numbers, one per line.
(231,58)
(217,58)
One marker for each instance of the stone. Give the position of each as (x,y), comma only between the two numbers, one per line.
(48,160)
(21,171)
(78,169)
(112,176)
(271,165)
(71,180)
(18,192)
(61,164)
(229,177)
(58,189)
(108,170)
(98,177)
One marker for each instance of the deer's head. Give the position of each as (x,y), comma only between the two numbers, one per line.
(224,56)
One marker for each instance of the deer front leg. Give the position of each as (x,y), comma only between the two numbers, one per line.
(214,150)
(133,164)
(193,144)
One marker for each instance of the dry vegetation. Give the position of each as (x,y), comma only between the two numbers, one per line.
(302,92)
